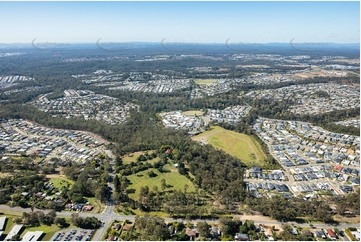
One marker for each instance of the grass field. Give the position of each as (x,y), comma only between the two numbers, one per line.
(172,178)
(129,159)
(194,112)
(60,181)
(239,145)
(206,81)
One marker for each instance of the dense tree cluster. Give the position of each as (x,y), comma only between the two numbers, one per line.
(90,180)
(151,228)
(34,219)
(85,223)
(282,209)
(349,204)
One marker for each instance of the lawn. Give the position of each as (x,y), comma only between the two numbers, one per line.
(175,181)
(206,81)
(239,145)
(133,158)
(48,230)
(60,181)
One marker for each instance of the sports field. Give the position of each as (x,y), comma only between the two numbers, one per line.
(239,145)
(206,81)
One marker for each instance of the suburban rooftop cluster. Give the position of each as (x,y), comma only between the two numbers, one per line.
(355,122)
(310,153)
(178,120)
(86,104)
(9,81)
(220,86)
(20,137)
(155,86)
(135,81)
(313,98)
(228,115)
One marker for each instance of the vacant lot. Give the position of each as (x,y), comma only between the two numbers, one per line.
(174,181)
(206,81)
(239,145)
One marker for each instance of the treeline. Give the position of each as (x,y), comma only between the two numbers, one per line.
(283,209)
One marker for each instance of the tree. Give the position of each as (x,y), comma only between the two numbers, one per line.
(49,218)
(102,193)
(152,228)
(118,161)
(61,222)
(116,183)
(186,188)
(163,185)
(203,229)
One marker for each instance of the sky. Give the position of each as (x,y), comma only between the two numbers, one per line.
(172,22)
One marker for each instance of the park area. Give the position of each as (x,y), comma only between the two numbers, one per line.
(241,146)
(174,180)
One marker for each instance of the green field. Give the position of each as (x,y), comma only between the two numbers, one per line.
(133,158)
(194,112)
(60,181)
(206,81)
(172,178)
(239,145)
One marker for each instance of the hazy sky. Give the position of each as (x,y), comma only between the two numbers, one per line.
(203,22)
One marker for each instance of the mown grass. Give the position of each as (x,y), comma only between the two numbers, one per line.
(134,156)
(174,181)
(60,181)
(239,145)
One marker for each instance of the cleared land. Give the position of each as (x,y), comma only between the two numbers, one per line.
(239,145)
(174,181)
(206,81)
(134,156)
(194,112)
(60,181)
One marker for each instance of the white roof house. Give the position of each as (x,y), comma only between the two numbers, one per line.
(2,223)
(33,236)
(14,231)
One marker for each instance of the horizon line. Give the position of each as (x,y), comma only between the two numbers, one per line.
(174,42)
